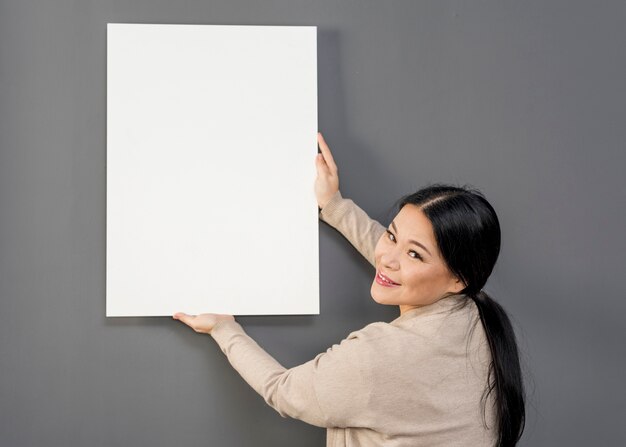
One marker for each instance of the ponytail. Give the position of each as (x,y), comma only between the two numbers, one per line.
(505,374)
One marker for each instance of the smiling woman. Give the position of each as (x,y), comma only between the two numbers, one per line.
(418,380)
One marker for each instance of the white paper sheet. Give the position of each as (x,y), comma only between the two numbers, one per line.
(211,144)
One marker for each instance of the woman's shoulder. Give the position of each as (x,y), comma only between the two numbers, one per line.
(425,329)
(379,340)
(373,341)
(454,312)
(375,331)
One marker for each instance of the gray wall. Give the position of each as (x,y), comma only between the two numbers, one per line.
(524,100)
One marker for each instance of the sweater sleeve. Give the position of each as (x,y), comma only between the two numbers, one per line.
(350,220)
(331,390)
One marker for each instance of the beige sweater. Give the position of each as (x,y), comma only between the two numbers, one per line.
(416,381)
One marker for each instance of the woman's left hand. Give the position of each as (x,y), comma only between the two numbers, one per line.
(202,323)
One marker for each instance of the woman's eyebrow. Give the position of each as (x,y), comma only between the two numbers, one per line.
(412,241)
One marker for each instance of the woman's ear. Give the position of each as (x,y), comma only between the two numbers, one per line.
(458,285)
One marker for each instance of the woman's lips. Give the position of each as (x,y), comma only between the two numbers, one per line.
(384,281)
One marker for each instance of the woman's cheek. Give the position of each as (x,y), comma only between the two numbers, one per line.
(377,251)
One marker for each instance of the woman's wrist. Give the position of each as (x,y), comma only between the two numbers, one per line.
(332,202)
(222,321)
(333,198)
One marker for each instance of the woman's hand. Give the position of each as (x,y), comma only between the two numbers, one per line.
(202,323)
(327,180)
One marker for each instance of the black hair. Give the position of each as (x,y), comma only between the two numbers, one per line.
(467,232)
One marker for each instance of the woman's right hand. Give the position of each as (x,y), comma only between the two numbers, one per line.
(327,180)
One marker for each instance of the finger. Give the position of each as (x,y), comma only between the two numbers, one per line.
(320,164)
(328,157)
(187,319)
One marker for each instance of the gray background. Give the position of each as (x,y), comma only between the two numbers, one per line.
(524,100)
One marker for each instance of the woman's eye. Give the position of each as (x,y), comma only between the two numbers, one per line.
(417,256)
(393,238)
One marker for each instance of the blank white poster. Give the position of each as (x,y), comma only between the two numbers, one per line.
(211,144)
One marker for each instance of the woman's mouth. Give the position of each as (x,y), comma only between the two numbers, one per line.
(384,281)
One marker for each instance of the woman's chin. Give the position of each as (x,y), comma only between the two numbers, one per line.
(382,302)
(376,295)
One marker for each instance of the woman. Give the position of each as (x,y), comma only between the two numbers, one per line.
(444,373)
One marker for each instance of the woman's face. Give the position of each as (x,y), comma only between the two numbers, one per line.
(419,272)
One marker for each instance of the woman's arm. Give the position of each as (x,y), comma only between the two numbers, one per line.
(361,231)
(331,390)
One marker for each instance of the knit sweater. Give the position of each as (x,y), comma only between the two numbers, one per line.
(415,381)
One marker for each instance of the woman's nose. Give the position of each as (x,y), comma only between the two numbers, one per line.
(390,259)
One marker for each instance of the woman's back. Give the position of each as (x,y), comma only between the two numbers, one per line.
(418,380)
